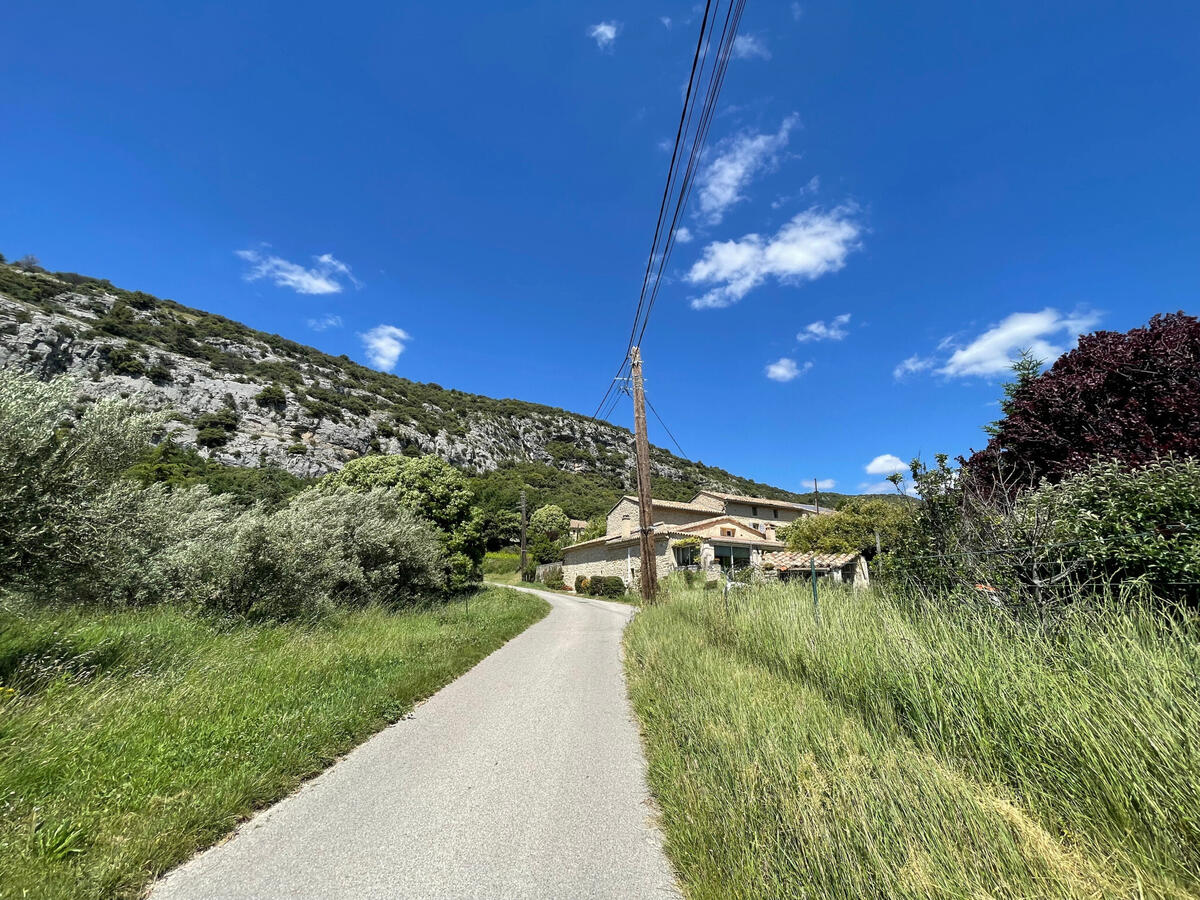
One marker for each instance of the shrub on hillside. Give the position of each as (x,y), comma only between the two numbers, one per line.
(53,471)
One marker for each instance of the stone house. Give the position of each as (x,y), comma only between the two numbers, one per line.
(711,531)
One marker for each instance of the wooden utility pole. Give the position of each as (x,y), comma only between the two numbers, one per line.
(522,535)
(817,496)
(649,576)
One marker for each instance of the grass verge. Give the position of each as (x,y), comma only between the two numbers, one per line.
(131,740)
(902,752)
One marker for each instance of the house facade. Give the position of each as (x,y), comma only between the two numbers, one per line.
(712,531)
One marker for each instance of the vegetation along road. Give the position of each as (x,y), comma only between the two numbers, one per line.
(524,778)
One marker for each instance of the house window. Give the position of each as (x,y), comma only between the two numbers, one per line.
(732,557)
(728,532)
(776,513)
(687,556)
(754,510)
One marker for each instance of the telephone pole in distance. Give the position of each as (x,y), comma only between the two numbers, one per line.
(649,568)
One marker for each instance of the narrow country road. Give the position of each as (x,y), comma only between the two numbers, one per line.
(522,779)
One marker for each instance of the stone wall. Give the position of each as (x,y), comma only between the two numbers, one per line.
(619,561)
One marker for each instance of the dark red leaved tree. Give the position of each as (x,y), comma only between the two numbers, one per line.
(1131,396)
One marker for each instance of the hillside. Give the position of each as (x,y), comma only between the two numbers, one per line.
(247,398)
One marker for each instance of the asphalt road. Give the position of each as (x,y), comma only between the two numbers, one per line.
(522,779)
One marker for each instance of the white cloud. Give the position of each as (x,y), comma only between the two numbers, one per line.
(812,244)
(666,20)
(322,278)
(810,187)
(747,46)
(826,484)
(785,369)
(384,344)
(797,11)
(325,322)
(993,351)
(886,464)
(911,366)
(604,34)
(683,235)
(819,331)
(738,159)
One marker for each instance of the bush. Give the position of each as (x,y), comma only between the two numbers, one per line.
(52,477)
(122,361)
(554,578)
(272,397)
(605,586)
(1129,523)
(529,573)
(582,584)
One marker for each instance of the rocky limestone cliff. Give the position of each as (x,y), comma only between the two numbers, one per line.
(319,411)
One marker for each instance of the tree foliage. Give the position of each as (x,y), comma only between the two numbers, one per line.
(1130,523)
(434,490)
(851,529)
(177,467)
(1132,396)
(551,521)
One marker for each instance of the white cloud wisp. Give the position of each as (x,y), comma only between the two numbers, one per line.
(785,369)
(321,278)
(604,34)
(384,344)
(812,244)
(747,46)
(994,351)
(325,322)
(738,159)
(819,331)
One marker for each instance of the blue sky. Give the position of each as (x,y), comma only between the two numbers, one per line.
(895,198)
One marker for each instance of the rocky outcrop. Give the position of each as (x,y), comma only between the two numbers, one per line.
(71,333)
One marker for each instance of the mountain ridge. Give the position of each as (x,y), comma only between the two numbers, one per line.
(245,397)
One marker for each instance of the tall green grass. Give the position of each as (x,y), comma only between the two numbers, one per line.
(497,563)
(896,749)
(130,740)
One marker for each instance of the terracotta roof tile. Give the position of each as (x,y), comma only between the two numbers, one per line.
(803,559)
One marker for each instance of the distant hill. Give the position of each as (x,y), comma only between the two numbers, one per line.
(247,398)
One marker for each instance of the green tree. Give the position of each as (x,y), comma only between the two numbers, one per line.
(851,529)
(551,521)
(272,397)
(435,491)
(597,527)
(1025,368)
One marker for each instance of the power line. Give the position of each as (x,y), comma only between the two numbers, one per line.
(724,50)
(677,185)
(665,428)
